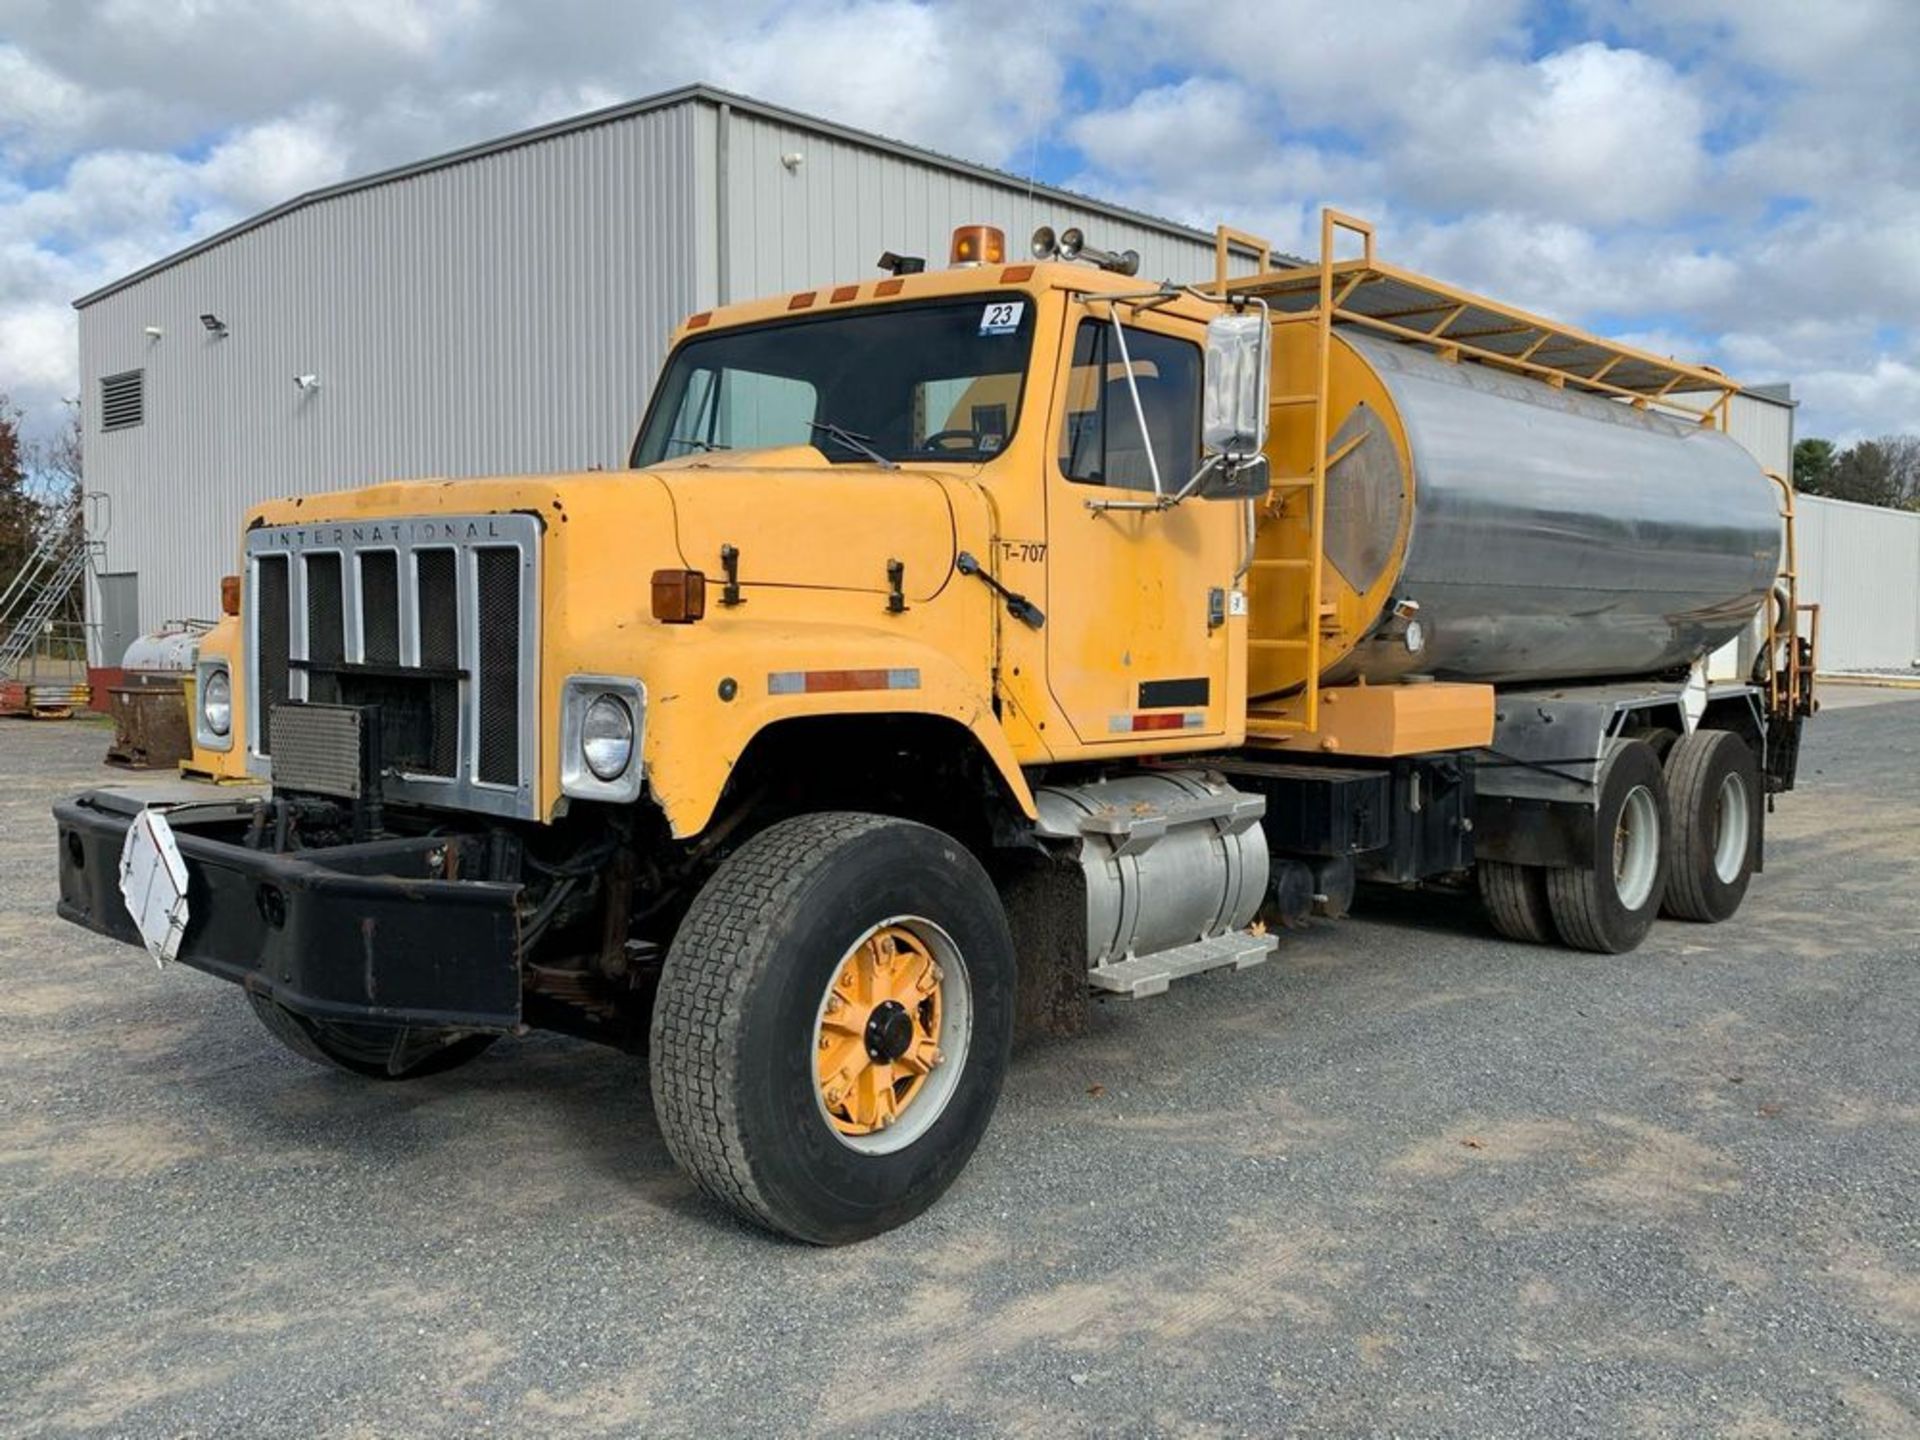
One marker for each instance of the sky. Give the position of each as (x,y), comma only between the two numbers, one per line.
(1732,181)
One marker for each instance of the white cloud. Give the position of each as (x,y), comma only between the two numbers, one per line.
(1589,134)
(972,80)
(267,163)
(36,337)
(1733,178)
(36,100)
(1857,403)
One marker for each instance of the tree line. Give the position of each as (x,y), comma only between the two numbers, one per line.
(1874,472)
(39,486)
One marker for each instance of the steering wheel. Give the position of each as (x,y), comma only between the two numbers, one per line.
(970,439)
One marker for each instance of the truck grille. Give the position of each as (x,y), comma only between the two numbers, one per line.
(432,620)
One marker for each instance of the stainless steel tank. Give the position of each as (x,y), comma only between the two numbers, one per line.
(1543,534)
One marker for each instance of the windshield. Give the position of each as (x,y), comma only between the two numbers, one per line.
(934,381)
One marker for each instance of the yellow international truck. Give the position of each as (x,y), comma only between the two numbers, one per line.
(962,645)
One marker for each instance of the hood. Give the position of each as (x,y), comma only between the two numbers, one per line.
(797,519)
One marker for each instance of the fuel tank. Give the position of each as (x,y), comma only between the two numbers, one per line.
(1482,525)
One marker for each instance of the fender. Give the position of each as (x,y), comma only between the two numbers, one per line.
(709,694)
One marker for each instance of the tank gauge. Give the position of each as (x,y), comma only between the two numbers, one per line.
(1416,637)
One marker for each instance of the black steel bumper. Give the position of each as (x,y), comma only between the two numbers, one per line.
(366,933)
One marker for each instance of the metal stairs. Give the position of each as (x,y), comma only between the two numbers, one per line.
(43,587)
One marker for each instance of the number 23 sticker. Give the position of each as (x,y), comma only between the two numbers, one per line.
(1002,317)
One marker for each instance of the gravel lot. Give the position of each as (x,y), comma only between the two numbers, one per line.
(1406,1179)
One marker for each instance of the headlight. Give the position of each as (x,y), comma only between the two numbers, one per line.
(216,702)
(603,721)
(606,737)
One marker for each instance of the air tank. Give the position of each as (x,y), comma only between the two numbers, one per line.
(1482,525)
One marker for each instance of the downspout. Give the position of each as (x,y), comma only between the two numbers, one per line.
(722,280)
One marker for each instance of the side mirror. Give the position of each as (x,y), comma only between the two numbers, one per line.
(1234,412)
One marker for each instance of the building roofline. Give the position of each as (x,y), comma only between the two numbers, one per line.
(1767,393)
(698,92)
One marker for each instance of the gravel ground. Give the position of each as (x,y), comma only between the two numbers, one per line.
(1405,1179)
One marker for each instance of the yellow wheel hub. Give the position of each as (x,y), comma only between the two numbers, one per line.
(879,1035)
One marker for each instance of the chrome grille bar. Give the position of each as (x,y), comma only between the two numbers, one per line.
(436,618)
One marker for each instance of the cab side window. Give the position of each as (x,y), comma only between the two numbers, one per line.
(1102,442)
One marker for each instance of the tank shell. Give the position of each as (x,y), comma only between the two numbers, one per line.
(1544,534)
(170,650)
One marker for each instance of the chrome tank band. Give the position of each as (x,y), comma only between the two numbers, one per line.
(1169,858)
(1559,535)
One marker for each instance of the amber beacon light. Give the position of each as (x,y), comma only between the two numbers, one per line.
(979,245)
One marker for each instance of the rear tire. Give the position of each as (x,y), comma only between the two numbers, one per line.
(375,1052)
(1609,906)
(763,995)
(1713,784)
(1515,899)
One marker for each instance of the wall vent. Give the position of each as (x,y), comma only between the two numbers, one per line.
(123,400)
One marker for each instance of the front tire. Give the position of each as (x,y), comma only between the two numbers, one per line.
(833,1025)
(1714,785)
(1609,905)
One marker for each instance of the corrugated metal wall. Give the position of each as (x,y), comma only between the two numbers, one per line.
(1764,427)
(503,314)
(828,217)
(1862,564)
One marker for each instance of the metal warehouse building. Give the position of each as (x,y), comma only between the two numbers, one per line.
(501,309)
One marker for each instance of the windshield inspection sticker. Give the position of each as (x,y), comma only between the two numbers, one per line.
(1002,317)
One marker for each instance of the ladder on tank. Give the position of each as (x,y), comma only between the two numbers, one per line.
(1301,712)
(44,586)
(1455,325)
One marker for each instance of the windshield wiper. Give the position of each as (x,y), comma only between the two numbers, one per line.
(852,441)
(695,443)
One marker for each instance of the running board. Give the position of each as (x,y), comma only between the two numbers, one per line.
(1146,975)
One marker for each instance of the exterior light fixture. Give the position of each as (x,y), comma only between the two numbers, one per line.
(902,264)
(154,332)
(216,327)
(306,382)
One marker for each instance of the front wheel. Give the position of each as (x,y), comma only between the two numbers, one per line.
(833,1025)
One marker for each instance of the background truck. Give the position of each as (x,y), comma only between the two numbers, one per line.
(962,645)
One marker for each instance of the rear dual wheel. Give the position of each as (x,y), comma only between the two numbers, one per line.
(1714,782)
(833,1024)
(1609,904)
(1680,837)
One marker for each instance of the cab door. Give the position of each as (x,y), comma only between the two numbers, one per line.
(1142,618)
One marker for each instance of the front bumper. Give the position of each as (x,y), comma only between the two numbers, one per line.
(365,933)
